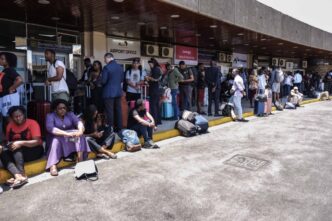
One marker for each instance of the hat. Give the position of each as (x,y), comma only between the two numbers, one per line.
(182,63)
(296,88)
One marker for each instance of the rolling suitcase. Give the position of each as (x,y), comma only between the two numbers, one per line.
(202,123)
(38,110)
(143,96)
(259,108)
(167,110)
(186,128)
(124,110)
(268,103)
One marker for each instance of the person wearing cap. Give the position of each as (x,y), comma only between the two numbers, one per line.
(295,97)
(154,79)
(298,80)
(185,86)
(213,79)
(135,79)
(112,78)
(238,91)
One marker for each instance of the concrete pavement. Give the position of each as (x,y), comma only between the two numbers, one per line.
(275,168)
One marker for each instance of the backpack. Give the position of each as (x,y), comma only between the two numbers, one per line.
(1,76)
(189,116)
(279,76)
(125,84)
(131,140)
(71,80)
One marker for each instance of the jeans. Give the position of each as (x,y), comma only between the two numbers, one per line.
(299,86)
(186,92)
(174,93)
(144,131)
(154,106)
(287,89)
(237,106)
(216,97)
(107,140)
(113,108)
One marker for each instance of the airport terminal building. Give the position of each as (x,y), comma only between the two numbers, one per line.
(240,33)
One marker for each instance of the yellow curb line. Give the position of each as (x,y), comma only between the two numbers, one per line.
(38,166)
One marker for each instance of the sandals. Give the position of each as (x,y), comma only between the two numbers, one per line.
(19,183)
(10,182)
(113,156)
(103,156)
(54,172)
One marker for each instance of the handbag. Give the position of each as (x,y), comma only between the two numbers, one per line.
(261,98)
(86,170)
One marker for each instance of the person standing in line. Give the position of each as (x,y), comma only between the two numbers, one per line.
(112,79)
(96,86)
(87,71)
(135,79)
(154,92)
(298,80)
(201,88)
(186,89)
(253,86)
(212,79)
(238,91)
(56,76)
(173,78)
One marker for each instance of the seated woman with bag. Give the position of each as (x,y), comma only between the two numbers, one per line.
(24,144)
(65,135)
(99,136)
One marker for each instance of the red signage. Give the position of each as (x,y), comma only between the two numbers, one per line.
(187,54)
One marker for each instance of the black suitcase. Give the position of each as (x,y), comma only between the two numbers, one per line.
(186,128)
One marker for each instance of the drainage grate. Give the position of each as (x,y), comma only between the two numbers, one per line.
(247,162)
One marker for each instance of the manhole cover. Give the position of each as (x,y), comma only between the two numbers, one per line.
(250,163)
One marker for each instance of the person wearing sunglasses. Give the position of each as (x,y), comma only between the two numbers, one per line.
(65,135)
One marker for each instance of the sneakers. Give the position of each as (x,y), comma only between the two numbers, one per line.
(150,145)
(242,120)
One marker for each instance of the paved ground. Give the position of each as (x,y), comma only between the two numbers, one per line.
(188,178)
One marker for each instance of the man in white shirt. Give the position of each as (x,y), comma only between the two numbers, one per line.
(135,80)
(298,80)
(238,89)
(56,76)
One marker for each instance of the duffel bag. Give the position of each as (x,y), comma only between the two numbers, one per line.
(186,128)
(189,116)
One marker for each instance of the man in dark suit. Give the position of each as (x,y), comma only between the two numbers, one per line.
(112,78)
(212,79)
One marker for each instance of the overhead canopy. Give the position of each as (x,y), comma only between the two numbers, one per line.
(154,21)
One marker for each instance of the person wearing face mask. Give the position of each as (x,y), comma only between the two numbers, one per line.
(141,121)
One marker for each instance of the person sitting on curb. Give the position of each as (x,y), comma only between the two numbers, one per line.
(24,144)
(143,123)
(99,136)
(295,97)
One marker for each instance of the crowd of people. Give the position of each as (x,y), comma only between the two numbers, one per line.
(71,136)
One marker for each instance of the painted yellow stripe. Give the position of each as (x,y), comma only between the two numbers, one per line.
(38,167)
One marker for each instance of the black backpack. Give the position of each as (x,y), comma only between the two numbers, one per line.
(71,80)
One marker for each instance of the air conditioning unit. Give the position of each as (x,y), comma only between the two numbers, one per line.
(229,58)
(275,61)
(152,50)
(289,65)
(166,52)
(304,64)
(282,63)
(222,57)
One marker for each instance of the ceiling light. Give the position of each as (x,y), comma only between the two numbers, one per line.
(280,43)
(198,35)
(141,23)
(175,16)
(118,1)
(224,40)
(240,34)
(211,38)
(47,35)
(295,47)
(44,2)
(308,49)
(163,27)
(213,26)
(263,39)
(246,44)
(115,17)
(1,46)
(55,18)
(20,3)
